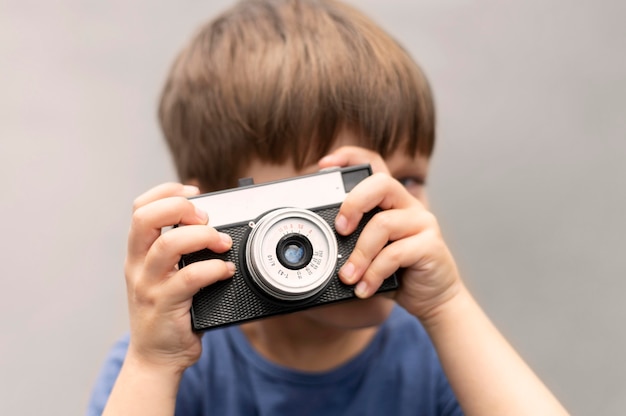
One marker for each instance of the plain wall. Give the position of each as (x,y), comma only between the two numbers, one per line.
(527,179)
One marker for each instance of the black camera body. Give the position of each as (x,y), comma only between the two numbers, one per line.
(285,247)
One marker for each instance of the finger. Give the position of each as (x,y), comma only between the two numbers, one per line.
(148,220)
(166,251)
(384,227)
(353,155)
(399,254)
(190,279)
(164,190)
(378,190)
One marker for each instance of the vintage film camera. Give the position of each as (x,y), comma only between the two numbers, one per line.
(285,247)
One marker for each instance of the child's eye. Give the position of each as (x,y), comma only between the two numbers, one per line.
(412,181)
(413,184)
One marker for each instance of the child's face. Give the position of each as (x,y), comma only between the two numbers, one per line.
(411,172)
(363,313)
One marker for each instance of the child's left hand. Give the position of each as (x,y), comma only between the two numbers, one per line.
(405,235)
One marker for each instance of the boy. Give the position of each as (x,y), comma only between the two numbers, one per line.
(273,89)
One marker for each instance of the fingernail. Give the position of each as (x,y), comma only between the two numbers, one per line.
(341,223)
(191,190)
(347,272)
(226,239)
(202,215)
(231,267)
(361,289)
(326,158)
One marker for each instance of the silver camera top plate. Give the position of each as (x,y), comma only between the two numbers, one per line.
(242,204)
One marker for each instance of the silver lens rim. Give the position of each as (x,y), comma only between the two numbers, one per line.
(266,274)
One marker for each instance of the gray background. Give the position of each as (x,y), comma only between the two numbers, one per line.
(527,180)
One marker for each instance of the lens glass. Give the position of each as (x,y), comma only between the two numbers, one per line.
(294,251)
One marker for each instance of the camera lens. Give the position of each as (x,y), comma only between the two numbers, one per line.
(294,251)
(291,253)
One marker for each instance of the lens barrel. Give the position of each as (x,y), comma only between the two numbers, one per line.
(291,253)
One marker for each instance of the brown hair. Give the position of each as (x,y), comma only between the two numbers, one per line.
(277,79)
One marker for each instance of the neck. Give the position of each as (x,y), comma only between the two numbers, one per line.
(299,342)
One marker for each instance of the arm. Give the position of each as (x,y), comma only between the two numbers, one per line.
(162,344)
(143,389)
(486,374)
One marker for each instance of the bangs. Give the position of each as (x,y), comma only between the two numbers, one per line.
(278,81)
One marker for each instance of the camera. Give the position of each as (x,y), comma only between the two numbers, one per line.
(285,248)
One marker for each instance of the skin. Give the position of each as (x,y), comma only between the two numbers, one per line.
(488,378)
(322,338)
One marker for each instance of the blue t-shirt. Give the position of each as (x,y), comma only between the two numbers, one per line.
(398,374)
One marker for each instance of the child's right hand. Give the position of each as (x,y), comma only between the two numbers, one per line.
(159,295)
